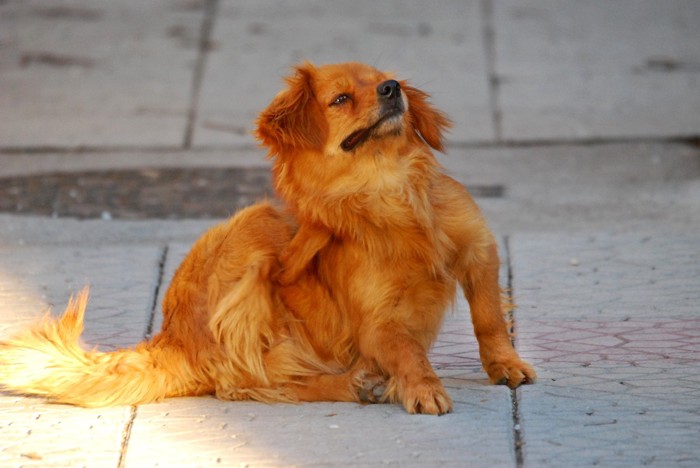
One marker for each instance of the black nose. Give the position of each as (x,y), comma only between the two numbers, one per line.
(389,89)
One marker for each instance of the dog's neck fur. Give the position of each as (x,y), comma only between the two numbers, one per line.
(385,178)
(387,195)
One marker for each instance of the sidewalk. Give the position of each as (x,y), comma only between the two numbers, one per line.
(576,126)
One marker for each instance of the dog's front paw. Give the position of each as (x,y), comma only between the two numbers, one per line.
(512,372)
(427,397)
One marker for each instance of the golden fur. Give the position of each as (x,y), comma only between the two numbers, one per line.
(337,295)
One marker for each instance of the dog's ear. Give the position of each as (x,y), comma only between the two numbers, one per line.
(293,120)
(429,122)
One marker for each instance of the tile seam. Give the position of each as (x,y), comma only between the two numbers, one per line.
(205,33)
(489,38)
(126,436)
(518,438)
(156,291)
(133,410)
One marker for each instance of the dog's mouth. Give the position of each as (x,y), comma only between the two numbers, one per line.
(358,137)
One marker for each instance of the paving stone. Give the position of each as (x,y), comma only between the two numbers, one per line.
(636,187)
(608,277)
(96,72)
(456,347)
(35,230)
(612,325)
(573,69)
(36,434)
(16,164)
(204,431)
(122,280)
(437,47)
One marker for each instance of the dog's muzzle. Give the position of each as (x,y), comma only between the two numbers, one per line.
(390,106)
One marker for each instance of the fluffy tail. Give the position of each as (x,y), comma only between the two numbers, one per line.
(48,361)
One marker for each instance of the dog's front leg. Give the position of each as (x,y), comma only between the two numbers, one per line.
(499,358)
(413,380)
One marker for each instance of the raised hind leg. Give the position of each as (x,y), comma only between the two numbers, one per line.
(353,386)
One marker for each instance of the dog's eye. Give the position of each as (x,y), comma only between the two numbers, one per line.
(340,100)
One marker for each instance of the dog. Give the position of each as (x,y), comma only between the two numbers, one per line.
(334,294)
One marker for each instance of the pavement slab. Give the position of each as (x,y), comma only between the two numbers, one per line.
(36,434)
(439,49)
(33,279)
(592,70)
(207,431)
(613,187)
(122,281)
(96,72)
(611,322)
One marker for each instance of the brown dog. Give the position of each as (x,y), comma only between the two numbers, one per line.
(336,296)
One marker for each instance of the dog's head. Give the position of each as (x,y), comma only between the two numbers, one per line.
(345,108)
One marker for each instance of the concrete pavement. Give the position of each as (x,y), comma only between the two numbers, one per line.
(576,122)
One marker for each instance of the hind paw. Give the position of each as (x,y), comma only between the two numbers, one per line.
(370,387)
